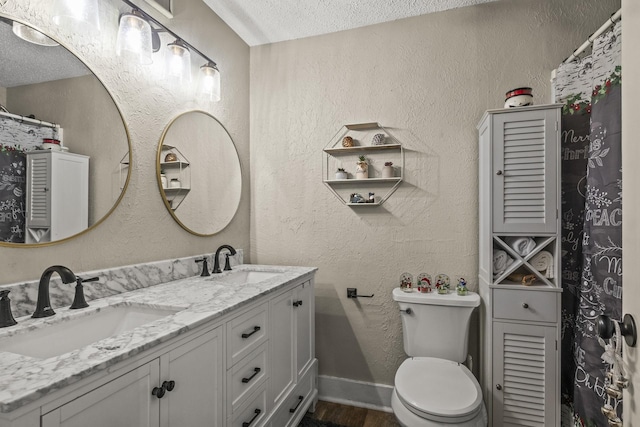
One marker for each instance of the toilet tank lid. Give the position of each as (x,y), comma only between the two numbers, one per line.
(472,299)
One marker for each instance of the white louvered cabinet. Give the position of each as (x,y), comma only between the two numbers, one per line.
(519,170)
(57,195)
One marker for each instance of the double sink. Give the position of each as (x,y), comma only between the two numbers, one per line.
(67,333)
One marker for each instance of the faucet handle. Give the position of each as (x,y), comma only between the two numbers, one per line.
(6,317)
(205,266)
(78,299)
(227,265)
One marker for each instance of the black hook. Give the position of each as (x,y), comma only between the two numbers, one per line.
(606,328)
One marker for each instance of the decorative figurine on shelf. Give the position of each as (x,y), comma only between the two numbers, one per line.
(372,198)
(171,157)
(362,168)
(341,174)
(347,142)
(387,170)
(378,139)
(461,289)
(356,198)
(442,283)
(424,283)
(406,282)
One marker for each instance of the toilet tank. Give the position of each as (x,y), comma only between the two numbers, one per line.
(437,325)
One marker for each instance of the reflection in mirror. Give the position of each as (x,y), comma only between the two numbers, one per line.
(199,173)
(64,148)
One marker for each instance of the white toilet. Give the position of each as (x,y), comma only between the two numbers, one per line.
(433,387)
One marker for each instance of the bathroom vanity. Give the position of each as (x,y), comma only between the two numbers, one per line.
(232,349)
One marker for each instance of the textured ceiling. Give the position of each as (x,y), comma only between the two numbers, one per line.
(269,21)
(23,63)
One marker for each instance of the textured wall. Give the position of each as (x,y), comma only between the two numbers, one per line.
(428,80)
(141,229)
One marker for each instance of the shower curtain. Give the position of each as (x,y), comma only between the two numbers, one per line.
(590,90)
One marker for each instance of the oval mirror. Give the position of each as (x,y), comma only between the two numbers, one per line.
(64,147)
(199,173)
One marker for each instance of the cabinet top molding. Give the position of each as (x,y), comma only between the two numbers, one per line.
(510,110)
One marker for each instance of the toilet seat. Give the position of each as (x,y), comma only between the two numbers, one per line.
(438,390)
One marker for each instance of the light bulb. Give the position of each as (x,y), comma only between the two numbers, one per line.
(209,85)
(134,38)
(178,62)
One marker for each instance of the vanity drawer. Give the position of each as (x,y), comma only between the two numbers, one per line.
(245,333)
(528,305)
(296,401)
(254,412)
(246,376)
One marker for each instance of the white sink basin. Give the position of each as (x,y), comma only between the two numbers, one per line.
(241,277)
(77,332)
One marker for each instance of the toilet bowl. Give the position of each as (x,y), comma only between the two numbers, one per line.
(434,392)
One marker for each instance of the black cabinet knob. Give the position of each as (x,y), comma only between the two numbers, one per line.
(498,387)
(158,392)
(525,305)
(499,173)
(168,385)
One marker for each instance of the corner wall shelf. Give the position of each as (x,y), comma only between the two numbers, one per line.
(336,156)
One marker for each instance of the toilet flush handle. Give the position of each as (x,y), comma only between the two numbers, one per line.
(408,311)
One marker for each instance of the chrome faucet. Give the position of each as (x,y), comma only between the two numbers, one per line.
(216,259)
(43,306)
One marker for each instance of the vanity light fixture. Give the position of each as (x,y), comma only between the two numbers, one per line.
(209,84)
(27,33)
(178,62)
(177,55)
(83,15)
(135,37)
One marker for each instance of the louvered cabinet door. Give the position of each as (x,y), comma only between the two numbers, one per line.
(38,190)
(525,171)
(525,375)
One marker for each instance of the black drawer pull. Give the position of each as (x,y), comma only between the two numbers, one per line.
(256,371)
(525,305)
(297,303)
(295,408)
(247,424)
(255,329)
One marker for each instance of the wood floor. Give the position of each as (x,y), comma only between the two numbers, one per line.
(350,416)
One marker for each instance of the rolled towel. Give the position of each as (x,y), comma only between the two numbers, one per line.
(543,261)
(501,261)
(522,245)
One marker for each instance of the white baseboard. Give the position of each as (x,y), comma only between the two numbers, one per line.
(355,393)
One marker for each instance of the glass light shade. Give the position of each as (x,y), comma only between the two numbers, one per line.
(209,84)
(178,62)
(32,36)
(134,38)
(81,15)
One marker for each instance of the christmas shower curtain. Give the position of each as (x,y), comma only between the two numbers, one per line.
(590,90)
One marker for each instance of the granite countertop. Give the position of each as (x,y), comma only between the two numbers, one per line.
(200,300)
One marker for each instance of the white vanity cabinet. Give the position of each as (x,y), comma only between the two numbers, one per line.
(57,196)
(519,203)
(195,367)
(253,366)
(292,349)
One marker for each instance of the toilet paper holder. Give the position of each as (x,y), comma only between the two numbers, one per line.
(353,293)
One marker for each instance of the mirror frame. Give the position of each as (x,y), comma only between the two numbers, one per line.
(167,204)
(129,154)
